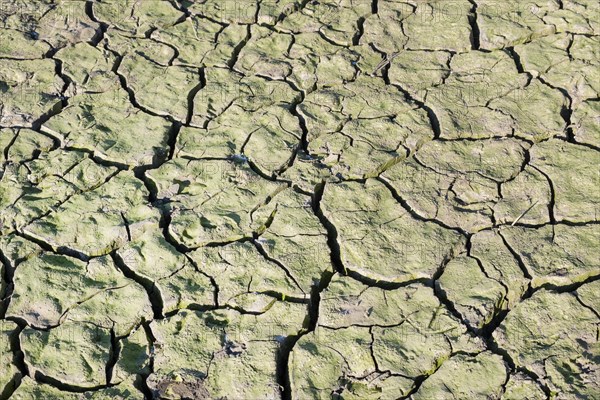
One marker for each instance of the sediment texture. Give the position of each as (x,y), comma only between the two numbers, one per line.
(298,199)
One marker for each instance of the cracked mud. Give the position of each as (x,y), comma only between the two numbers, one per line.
(298,199)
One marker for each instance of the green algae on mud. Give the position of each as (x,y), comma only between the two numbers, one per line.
(299,199)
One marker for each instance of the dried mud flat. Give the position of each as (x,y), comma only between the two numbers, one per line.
(299,199)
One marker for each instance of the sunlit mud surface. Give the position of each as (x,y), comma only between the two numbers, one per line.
(299,199)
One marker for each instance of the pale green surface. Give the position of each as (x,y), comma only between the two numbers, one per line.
(337,199)
(28,89)
(463,376)
(554,344)
(52,289)
(401,246)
